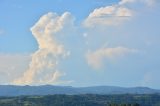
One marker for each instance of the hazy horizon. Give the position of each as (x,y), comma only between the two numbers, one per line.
(80,43)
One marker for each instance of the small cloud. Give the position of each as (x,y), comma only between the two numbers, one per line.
(147,78)
(2,31)
(85,35)
(150,78)
(95,59)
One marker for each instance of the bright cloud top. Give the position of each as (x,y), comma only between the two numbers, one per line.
(43,66)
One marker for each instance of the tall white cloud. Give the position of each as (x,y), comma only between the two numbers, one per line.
(95,59)
(43,66)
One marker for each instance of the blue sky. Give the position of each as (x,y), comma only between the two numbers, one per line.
(80,43)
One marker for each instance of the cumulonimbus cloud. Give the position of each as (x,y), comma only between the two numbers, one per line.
(43,66)
(95,58)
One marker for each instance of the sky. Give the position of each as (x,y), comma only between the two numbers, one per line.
(80,43)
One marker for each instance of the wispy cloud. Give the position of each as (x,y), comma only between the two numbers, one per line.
(95,58)
(12,65)
(2,31)
(150,78)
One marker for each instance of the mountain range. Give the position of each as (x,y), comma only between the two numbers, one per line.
(13,90)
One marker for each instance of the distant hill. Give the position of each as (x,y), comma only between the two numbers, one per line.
(12,90)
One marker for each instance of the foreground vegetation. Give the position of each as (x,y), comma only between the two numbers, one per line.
(83,100)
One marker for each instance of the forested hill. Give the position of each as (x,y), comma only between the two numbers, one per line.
(11,90)
(83,100)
